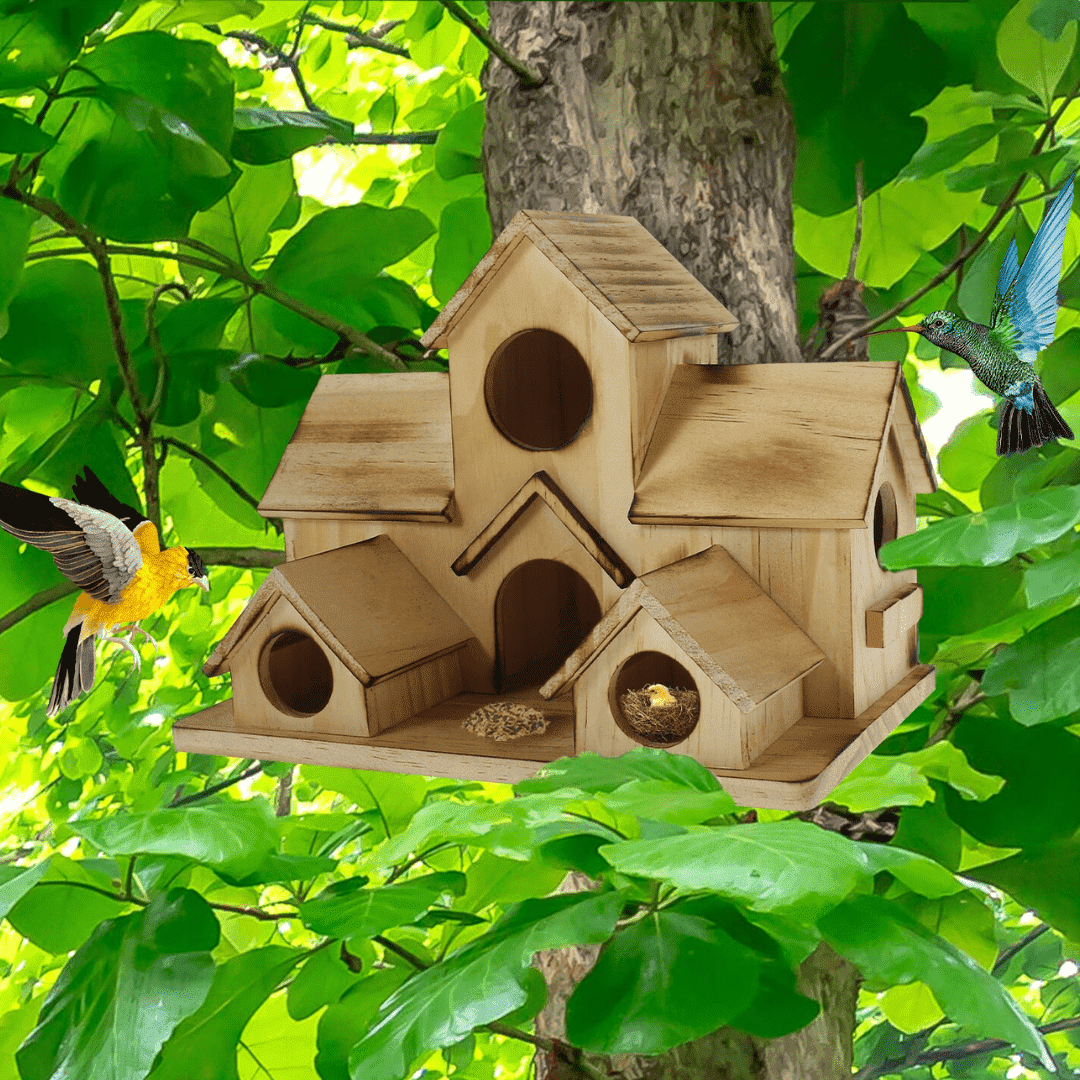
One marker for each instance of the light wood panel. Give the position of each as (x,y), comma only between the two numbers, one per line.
(888,619)
(614,262)
(796,773)
(752,443)
(377,445)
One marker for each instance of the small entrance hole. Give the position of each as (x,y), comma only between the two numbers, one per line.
(538,390)
(641,670)
(295,674)
(884,518)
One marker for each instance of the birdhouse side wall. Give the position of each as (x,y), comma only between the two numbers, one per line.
(877,670)
(724,738)
(344,714)
(403,694)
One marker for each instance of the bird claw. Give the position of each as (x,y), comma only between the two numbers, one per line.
(126,643)
(153,640)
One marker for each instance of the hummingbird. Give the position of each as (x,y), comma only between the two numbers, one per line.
(1002,355)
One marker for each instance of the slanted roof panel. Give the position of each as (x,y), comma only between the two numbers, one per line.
(625,272)
(719,616)
(735,631)
(788,442)
(375,446)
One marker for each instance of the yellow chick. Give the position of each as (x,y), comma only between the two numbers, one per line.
(660,695)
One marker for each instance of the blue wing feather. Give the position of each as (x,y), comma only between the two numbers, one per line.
(1025,312)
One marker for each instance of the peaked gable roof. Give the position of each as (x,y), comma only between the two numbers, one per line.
(369,446)
(616,264)
(367,602)
(720,617)
(776,444)
(541,486)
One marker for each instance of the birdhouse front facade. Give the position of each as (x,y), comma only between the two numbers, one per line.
(586,506)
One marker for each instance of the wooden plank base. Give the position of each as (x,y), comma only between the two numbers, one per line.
(796,773)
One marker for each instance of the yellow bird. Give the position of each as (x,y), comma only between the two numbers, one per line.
(661,695)
(111,551)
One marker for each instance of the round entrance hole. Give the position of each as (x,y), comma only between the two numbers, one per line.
(884,518)
(538,390)
(639,671)
(295,674)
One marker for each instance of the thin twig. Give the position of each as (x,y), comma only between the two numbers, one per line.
(857,239)
(42,600)
(528,77)
(357,38)
(215,788)
(278,58)
(214,467)
(967,252)
(155,340)
(1007,954)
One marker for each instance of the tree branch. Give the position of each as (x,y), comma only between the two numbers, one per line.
(966,253)
(215,468)
(155,340)
(1002,962)
(356,38)
(529,79)
(215,788)
(36,603)
(279,58)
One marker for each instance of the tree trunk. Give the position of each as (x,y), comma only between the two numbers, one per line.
(674,114)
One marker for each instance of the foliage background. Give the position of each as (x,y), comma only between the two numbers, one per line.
(208,203)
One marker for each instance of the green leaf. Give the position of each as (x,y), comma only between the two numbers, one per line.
(855,74)
(888,944)
(788,866)
(15,886)
(662,800)
(59,312)
(320,982)
(976,295)
(341,251)
(976,177)
(929,830)
(655,986)
(1040,672)
(239,224)
(262,136)
(464,238)
(938,156)
(59,918)
(479,983)
(222,831)
(18,135)
(204,1045)
(276,867)
(970,453)
(120,996)
(1028,56)
(459,146)
(1050,17)
(1037,804)
(268,382)
(882,781)
(208,11)
(40,40)
(989,537)
(919,873)
(343,1024)
(1046,581)
(347,909)
(15,224)
(1044,878)
(595,772)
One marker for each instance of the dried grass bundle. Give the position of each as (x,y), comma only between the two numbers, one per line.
(504,720)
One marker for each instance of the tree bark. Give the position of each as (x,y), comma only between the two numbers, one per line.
(672,113)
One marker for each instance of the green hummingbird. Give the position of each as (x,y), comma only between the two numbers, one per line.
(1022,319)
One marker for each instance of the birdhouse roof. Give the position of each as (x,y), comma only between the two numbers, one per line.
(367,603)
(720,617)
(375,446)
(616,264)
(777,444)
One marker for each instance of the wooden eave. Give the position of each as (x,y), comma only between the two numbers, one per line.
(773,445)
(367,603)
(720,617)
(375,446)
(614,262)
(542,486)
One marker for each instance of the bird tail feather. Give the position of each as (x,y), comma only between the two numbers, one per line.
(1021,429)
(75,672)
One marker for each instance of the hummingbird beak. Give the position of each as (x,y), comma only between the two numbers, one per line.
(917,328)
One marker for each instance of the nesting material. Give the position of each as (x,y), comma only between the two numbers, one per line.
(661,723)
(504,721)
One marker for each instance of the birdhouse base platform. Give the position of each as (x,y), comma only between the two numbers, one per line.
(795,773)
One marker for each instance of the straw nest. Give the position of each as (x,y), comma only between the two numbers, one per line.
(503,721)
(661,723)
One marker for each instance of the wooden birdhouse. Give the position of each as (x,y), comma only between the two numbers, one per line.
(589,517)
